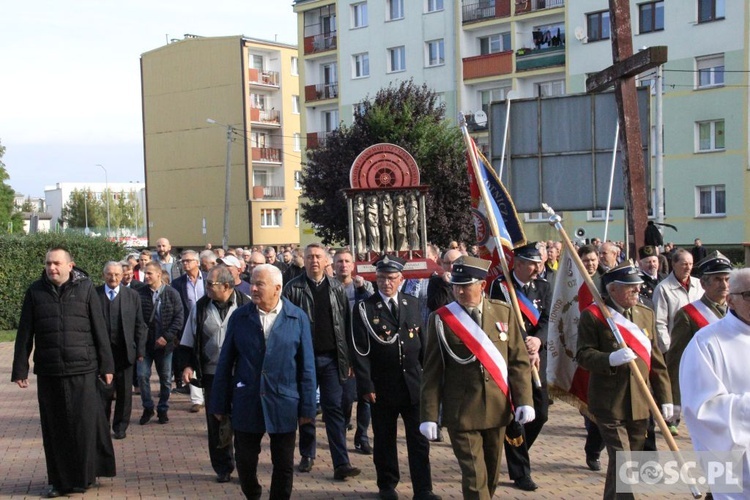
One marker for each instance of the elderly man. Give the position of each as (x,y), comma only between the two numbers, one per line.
(162,309)
(475,395)
(208,260)
(127,333)
(128,280)
(673,293)
(439,288)
(265,379)
(235,266)
(710,308)
(325,302)
(252,260)
(387,338)
(620,410)
(204,334)
(166,260)
(62,322)
(271,258)
(649,272)
(714,384)
(609,254)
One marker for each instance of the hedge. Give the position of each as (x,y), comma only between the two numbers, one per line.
(22,262)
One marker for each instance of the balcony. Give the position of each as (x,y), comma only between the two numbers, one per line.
(268,155)
(528,59)
(524,6)
(268,192)
(321,91)
(316,139)
(320,43)
(472,12)
(265,78)
(271,117)
(500,63)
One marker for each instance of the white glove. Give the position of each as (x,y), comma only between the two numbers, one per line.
(525,414)
(677,412)
(667,411)
(429,430)
(621,357)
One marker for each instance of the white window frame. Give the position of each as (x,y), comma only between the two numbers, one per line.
(598,215)
(486,96)
(295,66)
(535,217)
(270,217)
(295,104)
(396,59)
(359,15)
(361,65)
(330,120)
(551,88)
(394,10)
(713,135)
(436,48)
(297,177)
(711,67)
(495,43)
(434,6)
(296,217)
(297,141)
(712,191)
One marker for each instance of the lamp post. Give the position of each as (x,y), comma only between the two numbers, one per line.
(230,130)
(106,190)
(86,231)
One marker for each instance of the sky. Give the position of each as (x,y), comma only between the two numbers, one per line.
(70,95)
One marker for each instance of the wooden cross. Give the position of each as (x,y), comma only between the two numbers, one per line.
(622,75)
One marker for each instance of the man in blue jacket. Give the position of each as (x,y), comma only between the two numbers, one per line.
(266,380)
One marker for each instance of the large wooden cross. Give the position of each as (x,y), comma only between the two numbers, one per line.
(622,75)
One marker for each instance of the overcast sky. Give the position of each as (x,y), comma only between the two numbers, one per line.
(70,95)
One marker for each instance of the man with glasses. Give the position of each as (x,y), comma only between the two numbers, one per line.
(439,288)
(714,384)
(200,346)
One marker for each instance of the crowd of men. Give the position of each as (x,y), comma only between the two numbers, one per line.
(265,341)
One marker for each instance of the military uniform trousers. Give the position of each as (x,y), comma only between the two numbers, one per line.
(620,435)
(478,453)
(519,465)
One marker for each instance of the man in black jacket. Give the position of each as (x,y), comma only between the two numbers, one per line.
(325,302)
(127,333)
(162,309)
(62,321)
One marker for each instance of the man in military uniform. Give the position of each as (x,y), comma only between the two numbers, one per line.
(708,309)
(476,399)
(619,407)
(648,264)
(388,351)
(534,299)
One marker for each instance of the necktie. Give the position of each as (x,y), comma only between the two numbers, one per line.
(475,315)
(394,308)
(629,314)
(112,295)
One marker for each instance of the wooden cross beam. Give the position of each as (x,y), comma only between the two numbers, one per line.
(622,75)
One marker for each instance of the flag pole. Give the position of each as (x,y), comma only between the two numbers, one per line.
(495,231)
(555,221)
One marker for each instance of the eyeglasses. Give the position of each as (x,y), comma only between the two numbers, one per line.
(745,294)
(214,283)
(389,279)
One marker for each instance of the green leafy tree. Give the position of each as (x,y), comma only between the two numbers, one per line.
(11,221)
(125,210)
(28,206)
(409,116)
(83,206)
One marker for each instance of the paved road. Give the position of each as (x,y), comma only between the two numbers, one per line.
(171,461)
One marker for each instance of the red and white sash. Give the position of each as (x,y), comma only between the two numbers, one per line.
(700,313)
(477,342)
(631,334)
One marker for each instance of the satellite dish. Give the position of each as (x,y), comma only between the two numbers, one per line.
(480,118)
(580,34)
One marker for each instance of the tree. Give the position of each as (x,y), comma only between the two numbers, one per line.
(11,221)
(409,116)
(28,206)
(82,207)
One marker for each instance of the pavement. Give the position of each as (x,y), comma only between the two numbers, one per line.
(171,460)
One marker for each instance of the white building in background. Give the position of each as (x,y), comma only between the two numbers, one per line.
(58,195)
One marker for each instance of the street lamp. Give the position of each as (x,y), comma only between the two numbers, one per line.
(106,190)
(230,130)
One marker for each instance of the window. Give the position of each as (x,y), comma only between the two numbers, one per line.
(359,15)
(270,217)
(494,43)
(710,135)
(651,16)
(435,52)
(396,59)
(261,178)
(330,120)
(297,142)
(297,178)
(487,96)
(295,66)
(258,101)
(257,62)
(395,10)
(710,200)
(710,71)
(358,109)
(434,5)
(710,10)
(552,88)
(592,215)
(296,217)
(536,217)
(258,139)
(598,26)
(295,104)
(361,65)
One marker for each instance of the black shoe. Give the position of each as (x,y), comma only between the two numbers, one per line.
(120,435)
(526,484)
(439,438)
(363,447)
(224,478)
(305,464)
(147,414)
(388,494)
(163,418)
(182,390)
(343,471)
(51,492)
(594,463)
(427,495)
